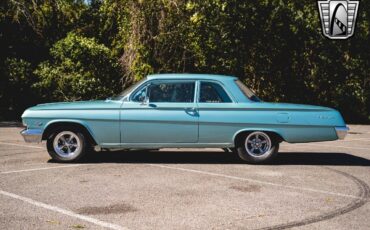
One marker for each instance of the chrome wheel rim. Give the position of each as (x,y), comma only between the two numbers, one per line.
(67,144)
(257,144)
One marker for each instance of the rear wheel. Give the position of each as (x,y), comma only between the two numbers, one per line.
(66,145)
(257,147)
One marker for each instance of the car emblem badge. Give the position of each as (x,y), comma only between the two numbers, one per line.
(338,18)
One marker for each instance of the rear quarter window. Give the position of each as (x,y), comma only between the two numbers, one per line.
(211,92)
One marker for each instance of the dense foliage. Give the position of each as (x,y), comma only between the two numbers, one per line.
(79,69)
(58,50)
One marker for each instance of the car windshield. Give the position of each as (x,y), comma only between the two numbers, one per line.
(126,91)
(247,92)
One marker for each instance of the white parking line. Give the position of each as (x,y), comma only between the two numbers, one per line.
(38,169)
(63,211)
(256,181)
(27,146)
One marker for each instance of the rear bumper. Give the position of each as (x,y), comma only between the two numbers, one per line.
(32,135)
(341,132)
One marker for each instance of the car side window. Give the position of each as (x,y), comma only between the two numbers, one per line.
(180,92)
(211,92)
(140,95)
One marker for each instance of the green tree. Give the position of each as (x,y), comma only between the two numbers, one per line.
(27,31)
(274,46)
(80,68)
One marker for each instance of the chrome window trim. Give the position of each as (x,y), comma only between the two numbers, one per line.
(197,88)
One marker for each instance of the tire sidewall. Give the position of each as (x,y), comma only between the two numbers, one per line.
(56,156)
(266,157)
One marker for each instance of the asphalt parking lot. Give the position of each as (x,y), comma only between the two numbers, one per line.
(309,186)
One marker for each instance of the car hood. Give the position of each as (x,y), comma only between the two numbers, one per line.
(78,105)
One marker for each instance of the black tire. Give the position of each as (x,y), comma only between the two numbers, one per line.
(267,156)
(83,146)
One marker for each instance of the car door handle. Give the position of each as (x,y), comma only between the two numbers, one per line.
(191,110)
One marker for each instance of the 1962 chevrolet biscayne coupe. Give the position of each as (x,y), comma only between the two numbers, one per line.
(180,110)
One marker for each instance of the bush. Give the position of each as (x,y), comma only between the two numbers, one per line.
(79,69)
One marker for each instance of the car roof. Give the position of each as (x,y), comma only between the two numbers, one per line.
(191,76)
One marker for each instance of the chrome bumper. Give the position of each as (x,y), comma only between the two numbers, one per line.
(32,135)
(341,132)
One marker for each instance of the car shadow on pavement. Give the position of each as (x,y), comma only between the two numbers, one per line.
(323,158)
(200,157)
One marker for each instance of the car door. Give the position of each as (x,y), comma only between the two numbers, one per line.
(162,111)
(216,108)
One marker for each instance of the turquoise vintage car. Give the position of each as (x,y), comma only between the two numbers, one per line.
(182,111)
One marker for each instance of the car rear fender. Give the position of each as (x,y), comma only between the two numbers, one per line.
(278,134)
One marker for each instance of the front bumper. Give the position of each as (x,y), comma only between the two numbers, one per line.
(341,132)
(32,135)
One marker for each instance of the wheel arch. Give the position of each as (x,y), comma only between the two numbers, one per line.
(276,135)
(49,127)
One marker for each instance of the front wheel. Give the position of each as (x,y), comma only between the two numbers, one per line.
(257,147)
(66,145)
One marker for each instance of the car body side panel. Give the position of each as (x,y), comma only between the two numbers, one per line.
(222,122)
(158,123)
